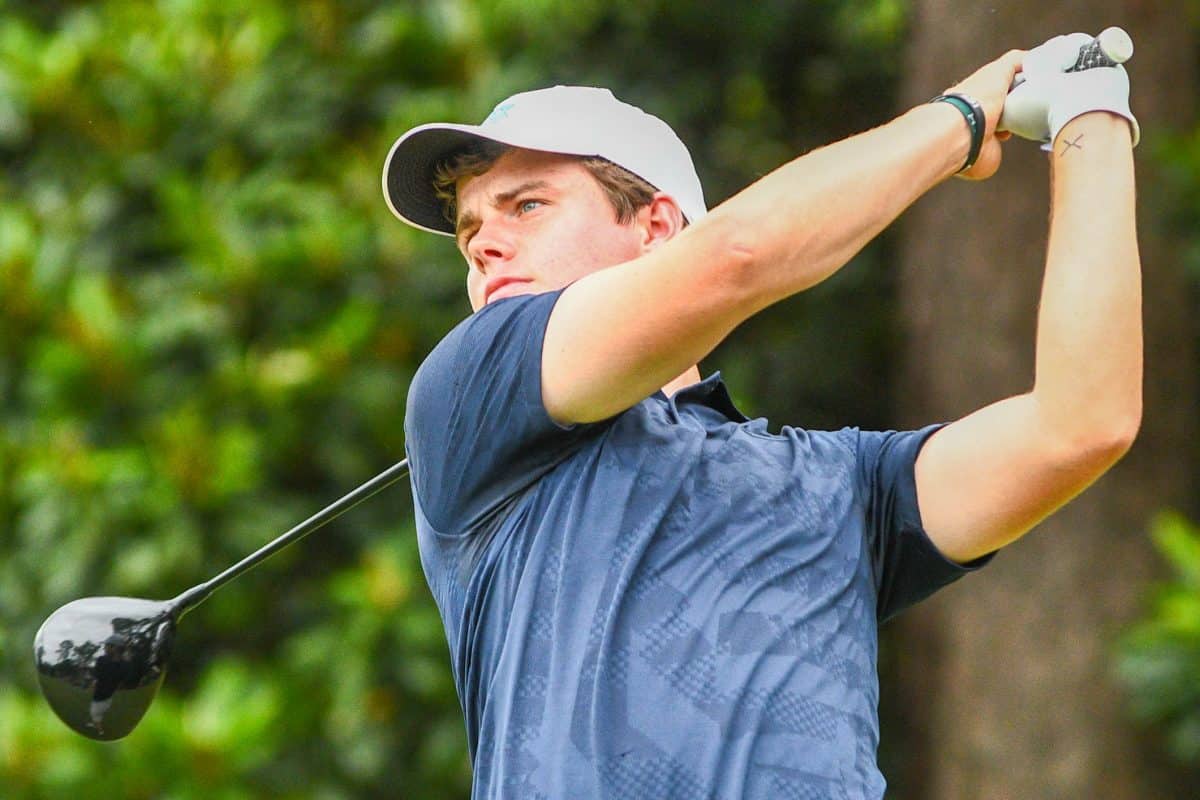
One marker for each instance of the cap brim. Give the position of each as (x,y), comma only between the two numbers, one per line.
(411,165)
(408,173)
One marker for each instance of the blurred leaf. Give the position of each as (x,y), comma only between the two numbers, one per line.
(1179,542)
(1159,658)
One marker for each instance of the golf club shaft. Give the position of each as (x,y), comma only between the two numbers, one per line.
(197,594)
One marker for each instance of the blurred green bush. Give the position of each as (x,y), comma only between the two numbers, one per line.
(209,324)
(209,319)
(1159,659)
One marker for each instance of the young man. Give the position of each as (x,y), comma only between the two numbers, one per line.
(646,594)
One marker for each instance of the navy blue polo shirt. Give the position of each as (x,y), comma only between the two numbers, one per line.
(671,603)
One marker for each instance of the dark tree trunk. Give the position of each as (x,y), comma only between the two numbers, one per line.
(1001,686)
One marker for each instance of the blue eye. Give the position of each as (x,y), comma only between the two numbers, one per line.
(529,205)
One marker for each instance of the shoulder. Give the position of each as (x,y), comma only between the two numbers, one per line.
(476,429)
(502,330)
(526,313)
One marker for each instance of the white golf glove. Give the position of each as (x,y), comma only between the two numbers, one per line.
(1048,98)
(1055,55)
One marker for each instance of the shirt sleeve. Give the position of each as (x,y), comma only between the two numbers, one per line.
(908,567)
(476,430)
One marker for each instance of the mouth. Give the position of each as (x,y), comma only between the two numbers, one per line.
(503,287)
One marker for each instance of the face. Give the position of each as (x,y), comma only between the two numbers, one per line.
(536,222)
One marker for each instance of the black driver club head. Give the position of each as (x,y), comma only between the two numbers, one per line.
(101,660)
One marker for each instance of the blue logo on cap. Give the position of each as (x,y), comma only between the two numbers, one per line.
(499,113)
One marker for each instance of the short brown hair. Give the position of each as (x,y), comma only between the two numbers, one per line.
(626,192)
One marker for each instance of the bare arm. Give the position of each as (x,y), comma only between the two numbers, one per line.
(619,334)
(991,476)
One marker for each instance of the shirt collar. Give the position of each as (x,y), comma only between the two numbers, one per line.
(711,392)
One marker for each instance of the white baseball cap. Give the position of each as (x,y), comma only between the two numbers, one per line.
(573,120)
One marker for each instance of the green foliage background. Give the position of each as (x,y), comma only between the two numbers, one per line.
(1160,658)
(209,319)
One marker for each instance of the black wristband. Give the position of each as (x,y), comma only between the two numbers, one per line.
(976,121)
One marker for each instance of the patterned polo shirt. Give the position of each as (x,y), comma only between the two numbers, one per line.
(672,603)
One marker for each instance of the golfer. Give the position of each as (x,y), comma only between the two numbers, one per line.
(646,594)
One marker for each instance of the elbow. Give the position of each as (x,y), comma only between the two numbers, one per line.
(1091,429)
(1116,441)
(1125,434)
(735,266)
(1121,428)
(1104,443)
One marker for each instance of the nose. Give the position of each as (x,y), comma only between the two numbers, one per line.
(491,245)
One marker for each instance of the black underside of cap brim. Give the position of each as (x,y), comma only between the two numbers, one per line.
(411,170)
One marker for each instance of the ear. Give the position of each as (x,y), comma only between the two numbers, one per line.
(660,221)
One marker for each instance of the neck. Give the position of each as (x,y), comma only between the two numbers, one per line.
(687,378)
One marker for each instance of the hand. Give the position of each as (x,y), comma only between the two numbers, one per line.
(989,85)
(1026,110)
(1049,98)
(1039,108)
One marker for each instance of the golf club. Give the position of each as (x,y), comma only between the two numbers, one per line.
(101,660)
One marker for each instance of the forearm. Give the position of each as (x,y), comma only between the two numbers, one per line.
(805,220)
(618,334)
(1089,342)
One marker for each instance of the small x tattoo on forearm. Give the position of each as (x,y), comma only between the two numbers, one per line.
(1069,144)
